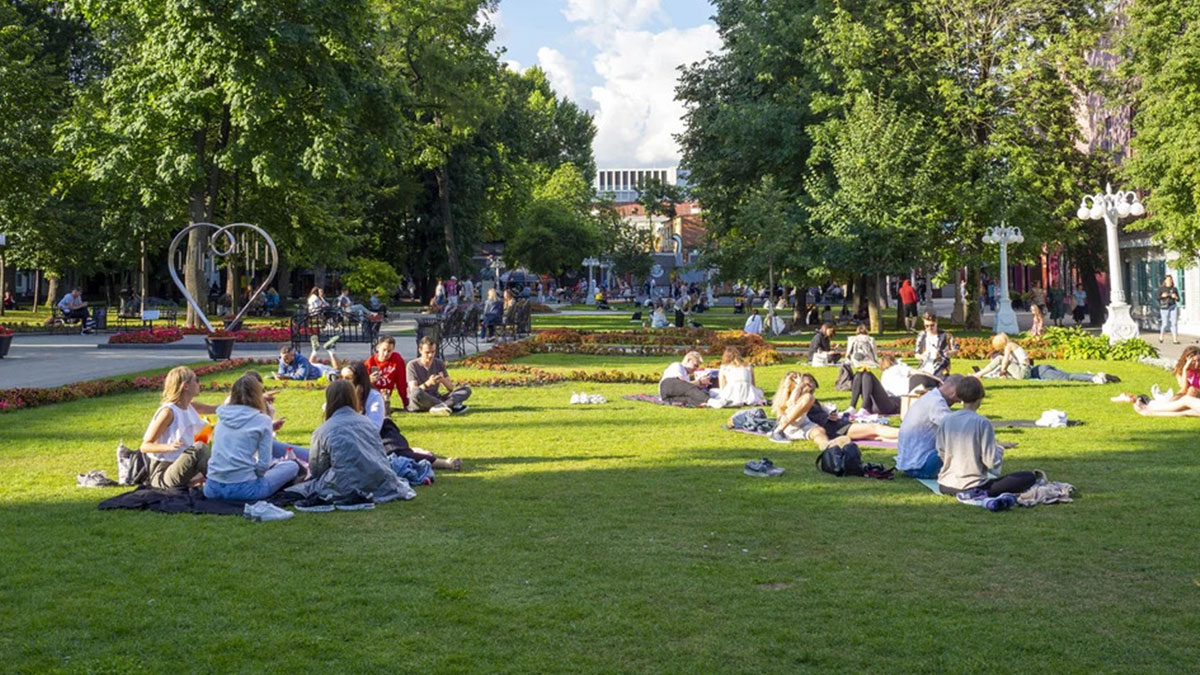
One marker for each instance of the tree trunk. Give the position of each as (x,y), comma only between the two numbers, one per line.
(197,240)
(972,319)
(899,306)
(283,280)
(443,182)
(53,292)
(37,289)
(874,304)
(142,280)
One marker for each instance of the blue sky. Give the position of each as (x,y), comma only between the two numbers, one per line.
(617,59)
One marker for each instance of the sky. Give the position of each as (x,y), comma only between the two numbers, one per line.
(616,59)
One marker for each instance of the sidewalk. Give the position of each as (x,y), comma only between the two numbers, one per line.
(55,360)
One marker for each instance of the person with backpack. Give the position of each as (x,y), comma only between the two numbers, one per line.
(967,447)
(170,440)
(239,468)
(800,416)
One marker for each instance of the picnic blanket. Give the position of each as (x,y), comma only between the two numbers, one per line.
(185,501)
(1026,424)
(653,398)
(861,444)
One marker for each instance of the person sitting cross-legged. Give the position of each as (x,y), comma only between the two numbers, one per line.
(679,385)
(820,350)
(239,468)
(966,444)
(916,449)
(170,440)
(799,416)
(426,376)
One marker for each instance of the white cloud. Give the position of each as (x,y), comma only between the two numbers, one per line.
(637,114)
(604,18)
(559,70)
(514,65)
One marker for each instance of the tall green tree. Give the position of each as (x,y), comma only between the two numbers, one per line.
(559,230)
(1162,44)
(206,102)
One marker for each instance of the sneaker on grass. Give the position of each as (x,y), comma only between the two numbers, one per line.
(314,504)
(356,502)
(777,436)
(762,468)
(458,408)
(266,511)
(440,410)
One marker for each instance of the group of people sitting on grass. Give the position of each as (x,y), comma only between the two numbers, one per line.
(356,456)
(731,385)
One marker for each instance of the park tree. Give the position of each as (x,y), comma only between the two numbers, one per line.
(625,244)
(558,229)
(206,103)
(873,193)
(763,239)
(1162,46)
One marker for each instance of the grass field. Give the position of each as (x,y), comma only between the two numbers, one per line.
(620,537)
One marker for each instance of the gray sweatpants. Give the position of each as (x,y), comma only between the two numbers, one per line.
(422,401)
(675,390)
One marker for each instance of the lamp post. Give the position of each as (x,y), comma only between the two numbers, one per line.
(1006,318)
(1111,207)
(591,264)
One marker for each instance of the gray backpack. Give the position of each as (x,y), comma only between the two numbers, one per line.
(132,467)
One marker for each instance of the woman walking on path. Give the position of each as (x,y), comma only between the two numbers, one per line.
(1168,309)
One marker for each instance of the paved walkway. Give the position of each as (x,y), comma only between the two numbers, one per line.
(54,360)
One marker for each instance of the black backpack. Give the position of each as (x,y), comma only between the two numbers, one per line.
(843,461)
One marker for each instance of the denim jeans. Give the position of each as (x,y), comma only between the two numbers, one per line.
(930,469)
(1047,372)
(279,451)
(253,490)
(1170,321)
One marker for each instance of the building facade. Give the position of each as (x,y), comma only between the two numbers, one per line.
(621,185)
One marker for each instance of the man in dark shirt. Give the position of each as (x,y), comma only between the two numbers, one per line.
(426,375)
(821,345)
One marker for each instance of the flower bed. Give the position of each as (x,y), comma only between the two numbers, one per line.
(150,336)
(30,397)
(264,334)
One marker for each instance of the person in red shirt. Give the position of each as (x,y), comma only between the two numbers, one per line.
(387,370)
(908,298)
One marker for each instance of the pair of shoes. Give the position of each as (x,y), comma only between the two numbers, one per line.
(440,410)
(1002,503)
(93,479)
(763,468)
(318,504)
(266,511)
(777,436)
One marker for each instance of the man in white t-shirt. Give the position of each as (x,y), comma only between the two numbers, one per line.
(678,384)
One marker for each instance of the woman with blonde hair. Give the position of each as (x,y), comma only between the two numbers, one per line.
(799,415)
(1187,402)
(736,383)
(169,442)
(240,466)
(493,313)
(1038,328)
(1012,361)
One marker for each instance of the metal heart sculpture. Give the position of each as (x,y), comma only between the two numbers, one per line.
(223,234)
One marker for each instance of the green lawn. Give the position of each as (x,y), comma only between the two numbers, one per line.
(620,537)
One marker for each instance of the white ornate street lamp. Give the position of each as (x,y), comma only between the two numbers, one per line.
(591,264)
(1111,207)
(1006,318)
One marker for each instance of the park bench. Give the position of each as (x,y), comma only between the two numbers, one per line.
(331,321)
(517,321)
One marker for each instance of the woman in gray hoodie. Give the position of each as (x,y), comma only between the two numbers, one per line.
(240,467)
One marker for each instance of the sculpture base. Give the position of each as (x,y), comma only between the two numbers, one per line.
(1006,318)
(1120,324)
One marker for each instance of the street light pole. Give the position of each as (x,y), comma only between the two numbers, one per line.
(591,294)
(1006,318)
(1111,207)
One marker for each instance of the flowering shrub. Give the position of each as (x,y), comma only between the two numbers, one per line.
(29,397)
(276,333)
(150,336)
(5,331)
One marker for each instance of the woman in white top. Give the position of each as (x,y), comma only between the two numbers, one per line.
(736,381)
(659,318)
(754,324)
(316,301)
(169,443)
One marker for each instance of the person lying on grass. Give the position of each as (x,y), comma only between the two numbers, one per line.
(371,403)
(239,468)
(799,415)
(349,466)
(679,383)
(426,376)
(966,444)
(916,449)
(1011,361)
(1185,403)
(293,365)
(176,459)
